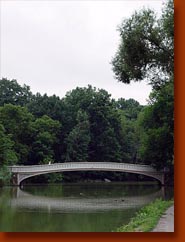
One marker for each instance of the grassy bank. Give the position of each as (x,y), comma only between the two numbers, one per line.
(146,219)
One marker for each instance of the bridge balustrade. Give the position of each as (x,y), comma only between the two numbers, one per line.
(24,172)
(82,165)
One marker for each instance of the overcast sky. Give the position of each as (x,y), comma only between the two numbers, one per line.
(55,46)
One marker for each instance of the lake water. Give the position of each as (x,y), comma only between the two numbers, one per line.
(96,207)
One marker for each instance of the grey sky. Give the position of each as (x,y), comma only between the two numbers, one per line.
(55,46)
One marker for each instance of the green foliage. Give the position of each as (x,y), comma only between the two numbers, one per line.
(5,175)
(46,123)
(7,154)
(130,107)
(147,218)
(90,126)
(146,52)
(17,123)
(11,92)
(46,105)
(146,48)
(156,129)
(129,110)
(104,120)
(45,132)
(78,139)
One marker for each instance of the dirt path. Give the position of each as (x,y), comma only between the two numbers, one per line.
(166,222)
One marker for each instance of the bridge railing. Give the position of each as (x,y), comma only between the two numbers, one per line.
(81,166)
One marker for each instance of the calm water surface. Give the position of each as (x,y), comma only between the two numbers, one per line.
(98,207)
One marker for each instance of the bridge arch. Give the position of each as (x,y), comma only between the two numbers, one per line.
(25,177)
(21,173)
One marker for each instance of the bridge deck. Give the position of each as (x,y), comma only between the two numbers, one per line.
(81,165)
(24,172)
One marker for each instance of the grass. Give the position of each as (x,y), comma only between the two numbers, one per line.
(146,219)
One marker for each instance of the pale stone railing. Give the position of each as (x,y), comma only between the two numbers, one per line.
(81,165)
(20,173)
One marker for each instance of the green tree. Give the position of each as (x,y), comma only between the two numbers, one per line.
(104,120)
(146,48)
(130,109)
(146,52)
(11,92)
(7,155)
(78,139)
(156,124)
(17,123)
(45,132)
(41,105)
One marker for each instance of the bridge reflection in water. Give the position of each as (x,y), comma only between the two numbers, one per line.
(25,200)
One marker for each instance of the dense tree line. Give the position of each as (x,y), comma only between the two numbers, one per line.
(87,124)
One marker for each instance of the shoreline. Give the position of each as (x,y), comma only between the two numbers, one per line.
(152,217)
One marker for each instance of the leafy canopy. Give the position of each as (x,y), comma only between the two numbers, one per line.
(146,48)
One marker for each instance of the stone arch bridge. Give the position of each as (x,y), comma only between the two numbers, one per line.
(20,173)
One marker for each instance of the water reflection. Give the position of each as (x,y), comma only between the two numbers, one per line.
(26,200)
(73,207)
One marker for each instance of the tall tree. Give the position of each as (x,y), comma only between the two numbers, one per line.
(104,119)
(17,123)
(11,92)
(41,105)
(156,125)
(146,52)
(130,110)
(146,48)
(45,131)
(7,154)
(78,139)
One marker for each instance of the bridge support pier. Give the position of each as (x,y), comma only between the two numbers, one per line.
(163,179)
(14,179)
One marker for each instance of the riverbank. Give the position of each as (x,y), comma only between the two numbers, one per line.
(147,218)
